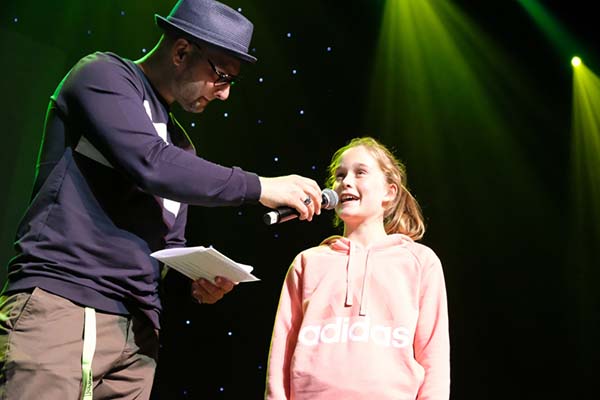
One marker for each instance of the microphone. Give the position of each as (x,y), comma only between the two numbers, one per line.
(329,199)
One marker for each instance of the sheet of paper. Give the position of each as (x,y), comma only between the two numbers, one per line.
(204,262)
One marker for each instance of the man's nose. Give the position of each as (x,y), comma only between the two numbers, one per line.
(222,92)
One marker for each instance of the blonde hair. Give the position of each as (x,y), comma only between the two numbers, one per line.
(403,213)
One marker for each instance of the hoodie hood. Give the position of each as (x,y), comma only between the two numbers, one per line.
(356,264)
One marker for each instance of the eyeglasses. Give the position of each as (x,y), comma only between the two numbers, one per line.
(222,77)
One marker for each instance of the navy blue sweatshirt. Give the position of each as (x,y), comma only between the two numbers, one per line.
(113,180)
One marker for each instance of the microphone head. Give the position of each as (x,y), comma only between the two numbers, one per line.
(329,199)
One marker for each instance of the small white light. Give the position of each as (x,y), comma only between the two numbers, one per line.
(144,50)
(187,322)
(294,71)
(226,115)
(193,124)
(260,80)
(122,12)
(289,34)
(301,112)
(16,20)
(275,158)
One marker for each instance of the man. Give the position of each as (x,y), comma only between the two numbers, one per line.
(79,316)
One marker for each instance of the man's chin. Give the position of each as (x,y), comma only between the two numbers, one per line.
(195,108)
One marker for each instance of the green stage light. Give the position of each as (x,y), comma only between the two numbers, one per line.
(576,61)
(552,27)
(585,152)
(435,96)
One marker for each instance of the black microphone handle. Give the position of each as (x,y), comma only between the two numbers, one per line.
(281,214)
(287,213)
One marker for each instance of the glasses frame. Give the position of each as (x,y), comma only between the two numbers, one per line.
(222,77)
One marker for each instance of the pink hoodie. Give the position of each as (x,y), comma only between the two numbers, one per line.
(340,336)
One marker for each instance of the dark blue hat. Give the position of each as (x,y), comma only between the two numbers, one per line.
(211,22)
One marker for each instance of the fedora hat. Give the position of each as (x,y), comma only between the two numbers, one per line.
(211,22)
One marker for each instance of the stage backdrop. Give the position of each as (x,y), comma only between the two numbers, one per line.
(477,99)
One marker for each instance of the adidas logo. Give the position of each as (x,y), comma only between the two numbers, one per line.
(341,331)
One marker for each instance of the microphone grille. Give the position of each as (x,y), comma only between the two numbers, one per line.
(330,199)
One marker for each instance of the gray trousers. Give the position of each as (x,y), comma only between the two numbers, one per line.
(41,344)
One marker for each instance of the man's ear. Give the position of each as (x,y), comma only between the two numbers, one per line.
(180,50)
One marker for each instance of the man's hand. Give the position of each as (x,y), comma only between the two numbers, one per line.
(206,292)
(293,191)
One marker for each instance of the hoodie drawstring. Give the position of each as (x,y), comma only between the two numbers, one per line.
(349,294)
(351,250)
(364,296)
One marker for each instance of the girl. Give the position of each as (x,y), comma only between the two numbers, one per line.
(364,316)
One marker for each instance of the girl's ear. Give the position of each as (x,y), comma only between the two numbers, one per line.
(391,192)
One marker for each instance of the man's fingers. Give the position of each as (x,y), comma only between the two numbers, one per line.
(312,190)
(302,205)
(207,292)
(292,191)
(225,284)
(309,196)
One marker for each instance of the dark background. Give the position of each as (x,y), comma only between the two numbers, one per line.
(521,276)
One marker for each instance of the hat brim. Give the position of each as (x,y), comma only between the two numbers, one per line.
(166,25)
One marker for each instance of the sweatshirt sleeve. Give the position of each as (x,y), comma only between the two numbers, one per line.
(105,100)
(176,236)
(285,335)
(432,344)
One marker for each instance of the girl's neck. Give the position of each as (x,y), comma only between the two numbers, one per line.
(365,233)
